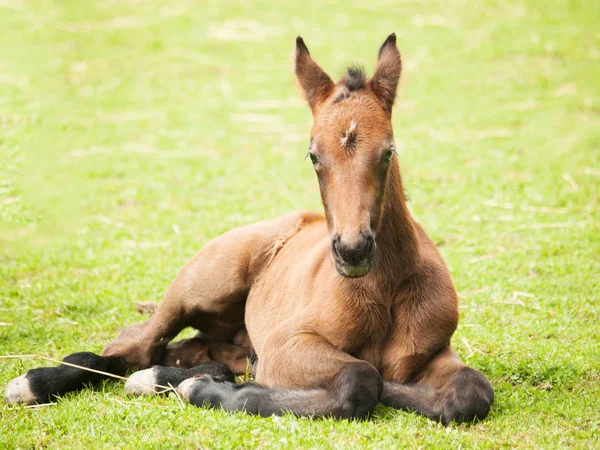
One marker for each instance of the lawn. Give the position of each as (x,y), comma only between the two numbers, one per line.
(131,132)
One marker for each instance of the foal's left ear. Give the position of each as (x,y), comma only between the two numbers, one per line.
(387,73)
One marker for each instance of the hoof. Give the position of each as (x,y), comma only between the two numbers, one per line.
(194,390)
(143,383)
(19,391)
(186,387)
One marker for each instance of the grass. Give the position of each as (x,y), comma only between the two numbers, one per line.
(132,132)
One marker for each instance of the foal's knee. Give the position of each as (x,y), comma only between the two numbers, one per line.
(468,398)
(136,351)
(357,388)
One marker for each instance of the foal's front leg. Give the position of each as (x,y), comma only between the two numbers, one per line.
(444,390)
(298,372)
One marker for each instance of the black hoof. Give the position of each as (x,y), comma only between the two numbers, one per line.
(469,399)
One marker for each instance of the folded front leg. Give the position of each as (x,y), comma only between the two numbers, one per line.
(444,390)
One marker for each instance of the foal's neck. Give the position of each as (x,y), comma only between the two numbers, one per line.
(397,239)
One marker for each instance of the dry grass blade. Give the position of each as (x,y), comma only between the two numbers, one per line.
(107,374)
(181,403)
(528,208)
(592,171)
(571,181)
(522,294)
(128,403)
(471,350)
(40,405)
(544,209)
(483,257)
(540,226)
(495,204)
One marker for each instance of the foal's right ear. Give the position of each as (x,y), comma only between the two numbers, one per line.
(315,82)
(387,73)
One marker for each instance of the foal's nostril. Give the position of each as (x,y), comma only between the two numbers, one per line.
(361,250)
(336,240)
(369,242)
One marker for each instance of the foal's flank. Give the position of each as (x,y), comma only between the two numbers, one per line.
(337,312)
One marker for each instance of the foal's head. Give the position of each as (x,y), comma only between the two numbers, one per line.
(351,149)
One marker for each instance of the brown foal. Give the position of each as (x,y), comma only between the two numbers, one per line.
(341,312)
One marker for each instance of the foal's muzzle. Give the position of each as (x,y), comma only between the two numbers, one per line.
(353,258)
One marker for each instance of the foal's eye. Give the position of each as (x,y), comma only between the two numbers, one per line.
(313,158)
(388,155)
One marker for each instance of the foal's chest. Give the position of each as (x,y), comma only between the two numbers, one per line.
(358,325)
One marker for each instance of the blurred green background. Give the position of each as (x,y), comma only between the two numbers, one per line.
(133,131)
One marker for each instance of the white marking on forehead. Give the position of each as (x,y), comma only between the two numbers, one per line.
(352,127)
(348,134)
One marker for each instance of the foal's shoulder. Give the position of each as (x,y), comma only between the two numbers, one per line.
(288,225)
(273,235)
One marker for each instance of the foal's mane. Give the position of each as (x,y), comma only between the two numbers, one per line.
(353,80)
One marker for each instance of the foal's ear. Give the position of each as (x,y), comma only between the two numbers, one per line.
(387,73)
(315,82)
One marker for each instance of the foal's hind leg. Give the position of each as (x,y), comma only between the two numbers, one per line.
(133,349)
(191,357)
(188,353)
(127,352)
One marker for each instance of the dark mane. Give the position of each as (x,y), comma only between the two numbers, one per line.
(355,78)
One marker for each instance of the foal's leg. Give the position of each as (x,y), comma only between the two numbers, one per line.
(160,379)
(40,385)
(127,352)
(44,383)
(188,353)
(445,390)
(188,358)
(209,293)
(321,381)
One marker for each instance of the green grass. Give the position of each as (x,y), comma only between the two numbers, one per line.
(131,132)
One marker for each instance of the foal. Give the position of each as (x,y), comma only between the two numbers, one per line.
(342,311)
